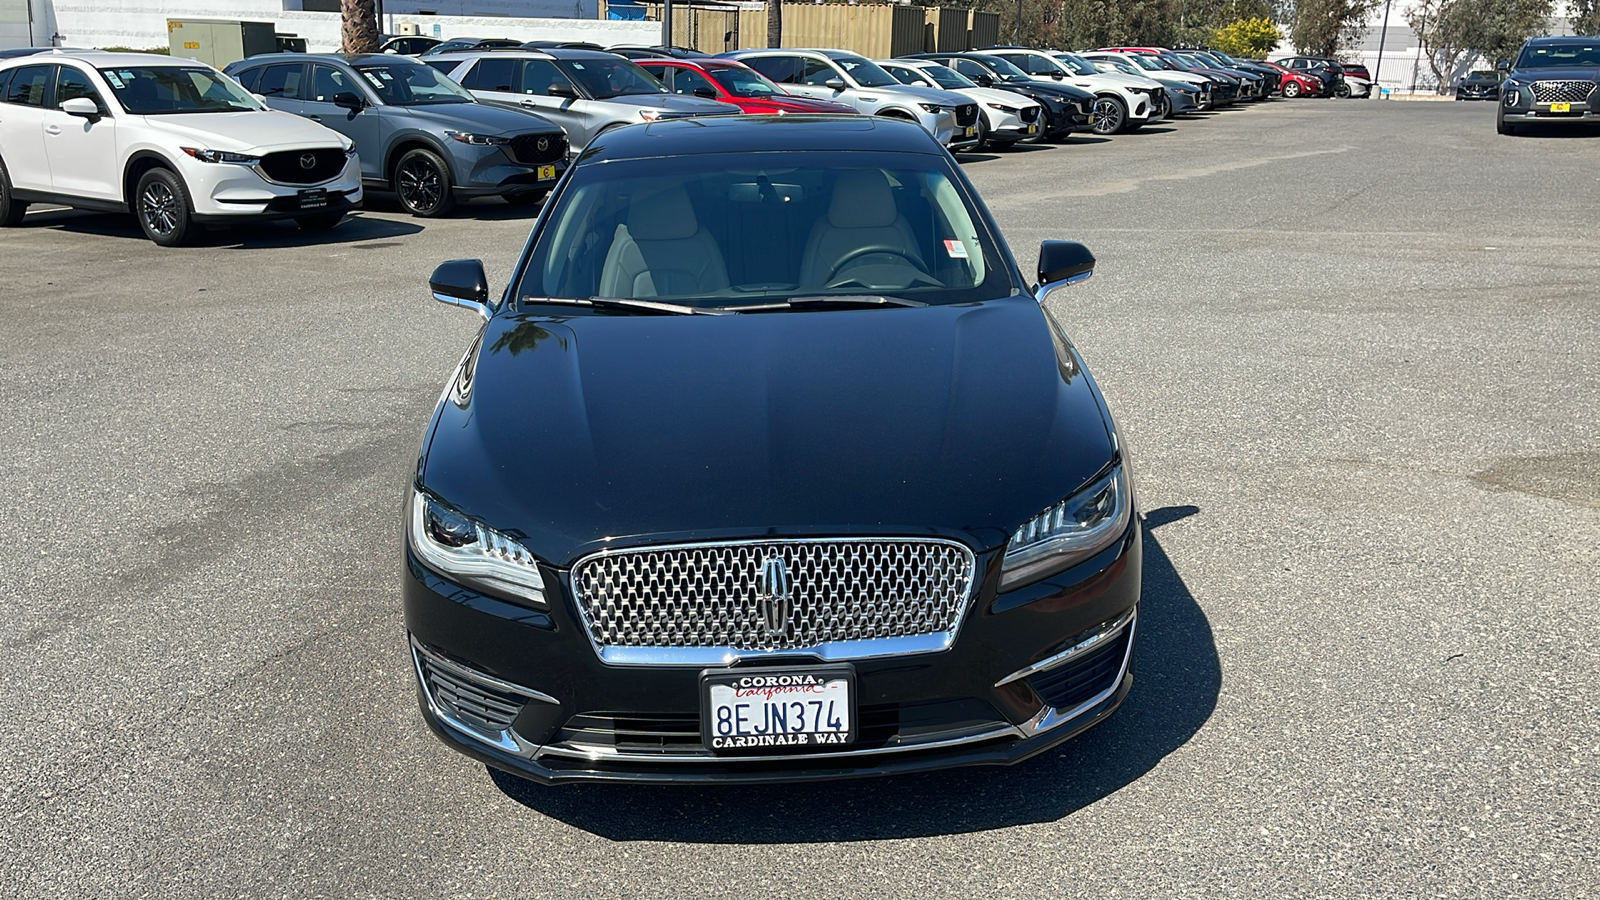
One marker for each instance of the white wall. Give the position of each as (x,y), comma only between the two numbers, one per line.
(143,23)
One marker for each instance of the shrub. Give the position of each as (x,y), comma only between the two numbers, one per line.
(1249,38)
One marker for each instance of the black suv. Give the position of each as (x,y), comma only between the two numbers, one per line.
(1553,80)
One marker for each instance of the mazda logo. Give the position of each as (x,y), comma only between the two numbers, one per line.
(775,594)
(544,144)
(308,160)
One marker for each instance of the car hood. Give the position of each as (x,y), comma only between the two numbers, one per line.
(1048,86)
(256,131)
(676,103)
(583,432)
(478,118)
(924,94)
(792,104)
(995,95)
(1562,73)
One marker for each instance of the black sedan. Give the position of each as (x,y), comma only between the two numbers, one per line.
(768,465)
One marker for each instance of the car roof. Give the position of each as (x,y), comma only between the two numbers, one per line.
(348,58)
(757,134)
(102,58)
(463,55)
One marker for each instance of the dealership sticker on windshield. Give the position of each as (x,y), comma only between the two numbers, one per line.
(781,710)
(956,249)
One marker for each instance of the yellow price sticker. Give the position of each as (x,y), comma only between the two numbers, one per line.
(191,45)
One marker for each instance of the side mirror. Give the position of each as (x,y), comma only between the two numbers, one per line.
(983,81)
(350,101)
(707,93)
(1062,263)
(835,84)
(1503,65)
(461,282)
(82,107)
(563,90)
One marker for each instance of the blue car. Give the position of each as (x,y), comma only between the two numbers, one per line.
(418,133)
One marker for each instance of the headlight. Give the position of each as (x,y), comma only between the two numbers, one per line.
(221,156)
(479,139)
(350,151)
(931,107)
(472,552)
(1509,94)
(649,115)
(1068,532)
(1004,108)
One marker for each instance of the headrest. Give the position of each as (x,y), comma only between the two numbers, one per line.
(665,215)
(862,199)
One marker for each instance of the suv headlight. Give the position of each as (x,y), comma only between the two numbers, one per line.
(472,552)
(931,107)
(479,139)
(221,156)
(1069,532)
(1004,108)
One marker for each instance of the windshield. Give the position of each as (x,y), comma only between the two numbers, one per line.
(1483,76)
(1005,69)
(1077,65)
(606,78)
(721,230)
(163,90)
(400,84)
(866,72)
(1550,56)
(947,78)
(742,82)
(1143,62)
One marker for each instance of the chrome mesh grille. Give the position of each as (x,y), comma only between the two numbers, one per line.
(721,595)
(1561,91)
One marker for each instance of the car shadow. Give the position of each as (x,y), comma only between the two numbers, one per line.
(975,157)
(1562,130)
(1178,679)
(486,208)
(1155,129)
(1082,140)
(245,236)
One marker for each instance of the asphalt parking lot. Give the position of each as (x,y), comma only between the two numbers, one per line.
(1354,346)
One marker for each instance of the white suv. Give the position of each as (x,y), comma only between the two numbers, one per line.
(173,141)
(1122,102)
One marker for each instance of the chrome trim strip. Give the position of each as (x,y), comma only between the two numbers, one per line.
(1104,634)
(837,651)
(1050,717)
(597,753)
(507,740)
(481,309)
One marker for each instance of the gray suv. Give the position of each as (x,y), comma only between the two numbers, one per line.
(417,133)
(584,91)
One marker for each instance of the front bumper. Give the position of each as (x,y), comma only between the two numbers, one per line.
(1540,113)
(484,171)
(524,691)
(223,192)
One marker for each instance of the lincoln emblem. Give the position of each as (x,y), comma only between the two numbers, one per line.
(308,160)
(775,594)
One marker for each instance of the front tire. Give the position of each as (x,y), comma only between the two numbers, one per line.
(161,204)
(1109,116)
(1342,92)
(1291,90)
(11,209)
(422,182)
(1502,127)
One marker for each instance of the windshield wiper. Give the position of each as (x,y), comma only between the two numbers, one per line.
(647,306)
(828,300)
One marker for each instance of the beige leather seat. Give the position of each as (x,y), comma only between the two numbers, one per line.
(862,213)
(662,251)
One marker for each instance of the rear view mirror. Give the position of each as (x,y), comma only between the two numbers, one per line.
(835,84)
(461,282)
(1503,65)
(707,93)
(983,81)
(350,101)
(563,90)
(1062,263)
(82,107)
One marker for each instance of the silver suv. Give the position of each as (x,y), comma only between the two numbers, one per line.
(584,91)
(854,80)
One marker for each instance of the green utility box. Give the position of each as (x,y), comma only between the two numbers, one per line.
(220,41)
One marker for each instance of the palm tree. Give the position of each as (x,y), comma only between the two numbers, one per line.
(360,31)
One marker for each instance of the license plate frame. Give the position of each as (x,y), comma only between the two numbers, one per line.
(313,198)
(818,684)
(545,173)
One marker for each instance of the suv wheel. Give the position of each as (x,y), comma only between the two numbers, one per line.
(1108,116)
(1501,127)
(11,209)
(422,180)
(1342,91)
(161,204)
(1291,90)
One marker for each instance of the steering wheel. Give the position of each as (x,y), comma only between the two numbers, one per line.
(868,250)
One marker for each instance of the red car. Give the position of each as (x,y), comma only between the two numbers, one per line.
(734,82)
(1297,84)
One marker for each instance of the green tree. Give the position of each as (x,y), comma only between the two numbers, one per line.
(1498,28)
(1325,27)
(1438,26)
(1586,17)
(1247,37)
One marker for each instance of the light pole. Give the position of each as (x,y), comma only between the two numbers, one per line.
(1383,34)
(666,23)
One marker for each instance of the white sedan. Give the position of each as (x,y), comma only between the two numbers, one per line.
(1008,117)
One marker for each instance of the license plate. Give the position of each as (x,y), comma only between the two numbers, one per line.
(314,198)
(546,173)
(777,710)
(1561,107)
(1033,129)
(969,131)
